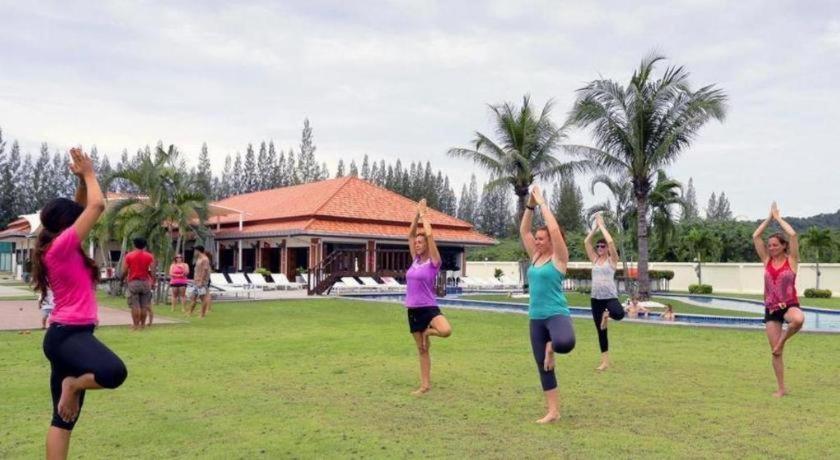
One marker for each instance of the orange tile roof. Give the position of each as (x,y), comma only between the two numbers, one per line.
(16,228)
(346,206)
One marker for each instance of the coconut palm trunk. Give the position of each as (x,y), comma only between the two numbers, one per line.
(642,228)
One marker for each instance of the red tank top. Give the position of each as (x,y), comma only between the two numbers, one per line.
(779,286)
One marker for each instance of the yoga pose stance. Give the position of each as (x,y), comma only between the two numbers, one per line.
(78,360)
(551,327)
(780,256)
(178,273)
(424,316)
(604,301)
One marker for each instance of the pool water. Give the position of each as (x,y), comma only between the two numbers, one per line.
(816,320)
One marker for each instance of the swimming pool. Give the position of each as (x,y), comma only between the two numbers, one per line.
(816,320)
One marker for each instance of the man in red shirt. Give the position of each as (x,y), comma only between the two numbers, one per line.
(138,269)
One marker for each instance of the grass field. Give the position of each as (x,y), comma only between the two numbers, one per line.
(577,299)
(331,379)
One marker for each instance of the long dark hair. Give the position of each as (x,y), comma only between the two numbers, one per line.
(58,215)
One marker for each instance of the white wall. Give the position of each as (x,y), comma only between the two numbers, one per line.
(747,278)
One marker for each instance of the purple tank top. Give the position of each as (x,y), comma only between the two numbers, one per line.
(779,286)
(420,284)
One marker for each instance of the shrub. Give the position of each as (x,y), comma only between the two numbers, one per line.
(262,271)
(818,293)
(583,289)
(700,288)
(497,273)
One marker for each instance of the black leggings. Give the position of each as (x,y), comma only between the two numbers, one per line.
(74,351)
(558,330)
(616,313)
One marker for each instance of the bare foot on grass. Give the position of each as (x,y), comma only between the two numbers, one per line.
(420,391)
(68,403)
(549,418)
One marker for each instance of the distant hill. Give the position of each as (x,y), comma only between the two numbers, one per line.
(820,220)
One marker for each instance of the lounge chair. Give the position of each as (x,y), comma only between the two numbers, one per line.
(259,282)
(218,281)
(283,282)
(371,283)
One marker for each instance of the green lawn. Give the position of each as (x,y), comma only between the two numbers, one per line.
(577,299)
(331,379)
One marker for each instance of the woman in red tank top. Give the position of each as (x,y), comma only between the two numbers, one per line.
(780,256)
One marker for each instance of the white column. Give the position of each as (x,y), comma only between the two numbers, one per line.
(239,258)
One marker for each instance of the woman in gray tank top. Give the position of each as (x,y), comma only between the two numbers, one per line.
(604,301)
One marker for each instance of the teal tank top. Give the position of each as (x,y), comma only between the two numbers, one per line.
(546,288)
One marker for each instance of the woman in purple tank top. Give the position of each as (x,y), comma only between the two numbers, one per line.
(780,256)
(424,316)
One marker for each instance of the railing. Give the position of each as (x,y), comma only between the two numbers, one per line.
(325,274)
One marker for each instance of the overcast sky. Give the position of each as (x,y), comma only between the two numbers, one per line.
(410,79)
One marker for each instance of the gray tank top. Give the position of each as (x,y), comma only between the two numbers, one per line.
(603,281)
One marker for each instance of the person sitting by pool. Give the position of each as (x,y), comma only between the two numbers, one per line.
(668,314)
(634,307)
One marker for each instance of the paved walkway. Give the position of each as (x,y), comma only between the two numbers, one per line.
(24,314)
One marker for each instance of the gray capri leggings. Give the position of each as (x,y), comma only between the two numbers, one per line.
(558,330)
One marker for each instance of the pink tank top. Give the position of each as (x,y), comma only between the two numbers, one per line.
(779,286)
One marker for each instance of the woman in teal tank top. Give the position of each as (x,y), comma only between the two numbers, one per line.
(550,324)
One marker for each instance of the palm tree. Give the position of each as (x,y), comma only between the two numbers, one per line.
(641,128)
(818,239)
(168,199)
(523,152)
(665,196)
(702,244)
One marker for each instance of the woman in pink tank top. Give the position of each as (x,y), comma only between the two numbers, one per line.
(780,256)
(79,361)
(424,316)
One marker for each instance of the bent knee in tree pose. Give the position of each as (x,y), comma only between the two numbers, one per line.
(79,361)
(780,256)
(550,323)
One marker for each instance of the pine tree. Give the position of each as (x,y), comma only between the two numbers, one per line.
(365,168)
(569,201)
(7,198)
(270,168)
(383,174)
(225,188)
(249,171)
(723,212)
(469,202)
(41,179)
(11,181)
(448,202)
(690,211)
(712,207)
(263,168)
(494,217)
(237,185)
(339,172)
(397,184)
(26,190)
(280,179)
(307,167)
(323,171)
(104,172)
(292,177)
(374,173)
(204,173)
(354,170)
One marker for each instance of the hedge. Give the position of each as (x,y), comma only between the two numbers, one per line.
(818,293)
(700,288)
(586,274)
